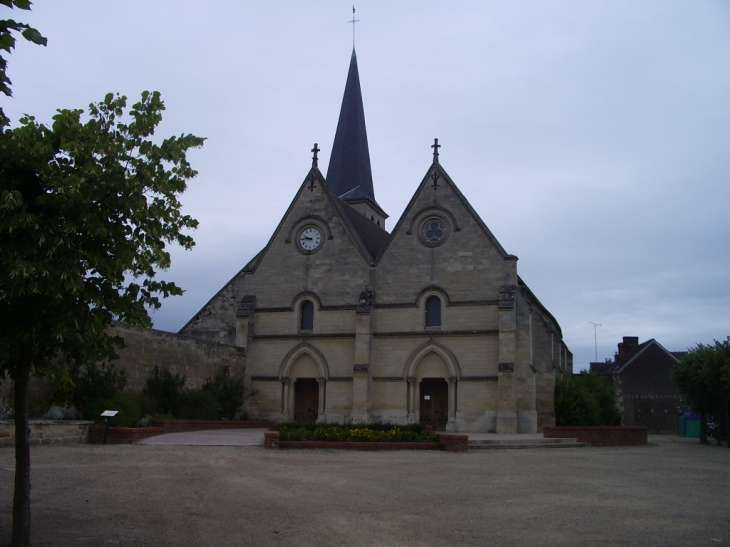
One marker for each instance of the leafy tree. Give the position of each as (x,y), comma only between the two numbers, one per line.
(7,43)
(63,387)
(95,384)
(703,375)
(574,404)
(166,389)
(230,392)
(586,400)
(86,210)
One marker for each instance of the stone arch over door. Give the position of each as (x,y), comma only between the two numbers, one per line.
(432,361)
(303,362)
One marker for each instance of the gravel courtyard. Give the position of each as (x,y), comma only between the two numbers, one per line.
(673,492)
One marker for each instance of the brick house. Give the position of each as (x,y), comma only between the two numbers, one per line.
(646,394)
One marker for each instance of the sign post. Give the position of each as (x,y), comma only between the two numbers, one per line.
(107,415)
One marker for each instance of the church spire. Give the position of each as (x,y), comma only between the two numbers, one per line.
(349,168)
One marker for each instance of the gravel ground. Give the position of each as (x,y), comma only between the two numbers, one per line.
(673,492)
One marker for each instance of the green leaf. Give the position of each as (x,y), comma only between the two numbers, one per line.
(32,35)
(20,4)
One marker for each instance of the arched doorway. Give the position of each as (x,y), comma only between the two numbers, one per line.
(431,372)
(305,374)
(306,400)
(434,404)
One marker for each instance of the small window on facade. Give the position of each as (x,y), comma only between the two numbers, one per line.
(433,311)
(307,317)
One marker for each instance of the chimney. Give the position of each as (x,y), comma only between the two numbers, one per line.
(626,349)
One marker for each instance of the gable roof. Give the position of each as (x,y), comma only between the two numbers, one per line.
(643,348)
(349,167)
(443,175)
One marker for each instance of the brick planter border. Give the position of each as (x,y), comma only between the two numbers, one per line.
(130,435)
(452,443)
(600,436)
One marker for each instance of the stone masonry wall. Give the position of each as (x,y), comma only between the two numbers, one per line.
(196,359)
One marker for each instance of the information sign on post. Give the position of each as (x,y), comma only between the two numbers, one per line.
(107,415)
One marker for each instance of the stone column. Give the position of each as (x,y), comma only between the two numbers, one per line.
(451,424)
(321,406)
(506,396)
(244,321)
(285,383)
(361,374)
(412,400)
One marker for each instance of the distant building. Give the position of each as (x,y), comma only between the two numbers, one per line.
(646,394)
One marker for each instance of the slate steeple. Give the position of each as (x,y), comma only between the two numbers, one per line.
(349,176)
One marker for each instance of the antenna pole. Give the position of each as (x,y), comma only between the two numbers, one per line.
(595,337)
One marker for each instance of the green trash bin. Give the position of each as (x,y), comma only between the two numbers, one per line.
(689,425)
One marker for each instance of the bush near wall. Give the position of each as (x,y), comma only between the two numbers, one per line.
(586,400)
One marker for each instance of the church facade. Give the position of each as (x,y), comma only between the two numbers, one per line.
(342,321)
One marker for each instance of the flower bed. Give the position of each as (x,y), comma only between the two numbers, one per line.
(360,437)
(415,433)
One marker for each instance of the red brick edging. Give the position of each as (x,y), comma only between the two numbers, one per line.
(130,435)
(600,436)
(449,442)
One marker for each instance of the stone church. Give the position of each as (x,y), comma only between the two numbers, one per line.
(344,321)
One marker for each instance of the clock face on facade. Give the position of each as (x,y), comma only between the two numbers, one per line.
(433,231)
(310,239)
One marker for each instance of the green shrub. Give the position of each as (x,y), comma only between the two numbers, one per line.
(166,389)
(198,404)
(63,387)
(332,433)
(575,405)
(129,407)
(96,384)
(230,392)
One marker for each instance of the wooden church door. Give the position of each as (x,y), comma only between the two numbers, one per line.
(306,400)
(435,402)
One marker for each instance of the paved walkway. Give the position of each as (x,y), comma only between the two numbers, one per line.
(216,437)
(255,437)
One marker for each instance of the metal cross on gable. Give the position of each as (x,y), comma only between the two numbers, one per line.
(435,178)
(314,151)
(311,180)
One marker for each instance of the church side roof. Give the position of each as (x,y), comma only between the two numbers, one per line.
(539,304)
(349,166)
(373,236)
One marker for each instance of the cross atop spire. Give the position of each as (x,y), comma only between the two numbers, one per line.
(353,26)
(435,147)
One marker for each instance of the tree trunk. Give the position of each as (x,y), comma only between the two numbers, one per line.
(703,427)
(21,497)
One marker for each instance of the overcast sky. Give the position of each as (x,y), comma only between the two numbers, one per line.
(593,138)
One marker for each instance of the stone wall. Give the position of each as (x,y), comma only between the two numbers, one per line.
(196,359)
(47,432)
